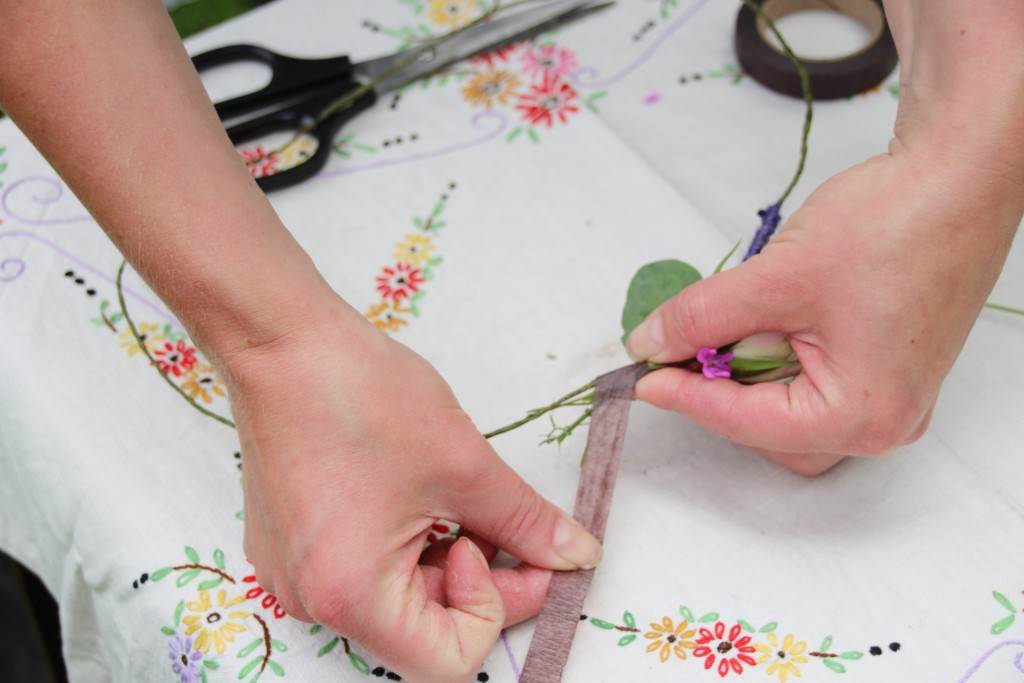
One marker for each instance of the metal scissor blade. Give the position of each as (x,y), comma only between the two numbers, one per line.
(395,71)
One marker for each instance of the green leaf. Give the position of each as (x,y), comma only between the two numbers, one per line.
(278,646)
(745,626)
(160,573)
(768,628)
(104,305)
(210,584)
(687,614)
(825,644)
(116,318)
(1004,601)
(315,629)
(834,665)
(626,640)
(628,619)
(186,577)
(202,676)
(756,364)
(1003,624)
(653,285)
(600,623)
(851,654)
(247,669)
(167,630)
(359,663)
(275,667)
(721,264)
(177,613)
(328,647)
(190,552)
(211,664)
(533,135)
(710,616)
(218,558)
(249,649)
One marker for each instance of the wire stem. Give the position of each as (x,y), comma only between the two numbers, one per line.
(540,412)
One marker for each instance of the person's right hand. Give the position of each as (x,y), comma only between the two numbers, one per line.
(352,447)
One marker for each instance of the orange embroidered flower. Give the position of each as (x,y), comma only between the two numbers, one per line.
(784,657)
(214,622)
(415,250)
(452,13)
(203,383)
(148,332)
(668,638)
(387,316)
(489,87)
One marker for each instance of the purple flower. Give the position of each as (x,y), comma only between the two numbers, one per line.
(184,660)
(716,365)
(770,219)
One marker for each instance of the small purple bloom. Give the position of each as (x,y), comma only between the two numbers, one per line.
(184,660)
(770,219)
(716,365)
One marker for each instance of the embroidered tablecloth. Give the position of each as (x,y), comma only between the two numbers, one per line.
(490,218)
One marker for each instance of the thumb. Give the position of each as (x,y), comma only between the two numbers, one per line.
(720,310)
(474,602)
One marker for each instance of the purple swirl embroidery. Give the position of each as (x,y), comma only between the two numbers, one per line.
(11,269)
(589,77)
(1018,661)
(47,192)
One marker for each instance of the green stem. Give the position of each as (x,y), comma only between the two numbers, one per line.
(142,345)
(1004,309)
(540,412)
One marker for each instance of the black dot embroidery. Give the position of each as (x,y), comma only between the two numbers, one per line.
(875,650)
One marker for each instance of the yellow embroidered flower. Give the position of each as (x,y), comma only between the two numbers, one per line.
(415,250)
(452,13)
(489,87)
(667,639)
(215,624)
(150,334)
(387,316)
(296,152)
(203,383)
(784,658)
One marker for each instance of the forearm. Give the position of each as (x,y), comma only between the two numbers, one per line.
(106,92)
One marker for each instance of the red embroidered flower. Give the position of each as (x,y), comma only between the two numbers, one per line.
(732,652)
(399,281)
(495,56)
(552,98)
(438,530)
(549,59)
(175,358)
(269,600)
(259,162)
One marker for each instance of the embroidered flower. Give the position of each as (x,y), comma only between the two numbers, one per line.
(214,623)
(399,281)
(451,13)
(489,87)
(668,638)
(184,660)
(716,365)
(203,383)
(148,332)
(174,358)
(296,152)
(259,162)
(269,599)
(784,658)
(495,56)
(387,316)
(730,650)
(415,250)
(549,59)
(552,98)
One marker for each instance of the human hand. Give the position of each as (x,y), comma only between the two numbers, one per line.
(352,447)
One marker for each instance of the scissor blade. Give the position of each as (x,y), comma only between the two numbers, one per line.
(397,70)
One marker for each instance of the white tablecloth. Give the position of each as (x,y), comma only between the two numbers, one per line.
(126,501)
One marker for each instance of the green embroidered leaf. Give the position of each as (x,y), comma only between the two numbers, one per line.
(418,222)
(249,649)
(628,619)
(1004,601)
(218,558)
(211,664)
(825,644)
(533,135)
(278,646)
(240,514)
(653,285)
(328,647)
(186,577)
(768,628)
(167,630)
(1003,624)
(315,629)
(160,573)
(428,273)
(359,663)
(834,665)
(593,99)
(97,321)
(745,626)
(851,654)
(514,134)
(710,616)
(190,552)
(116,318)
(104,305)
(177,613)
(626,640)
(437,225)
(3,166)
(436,261)
(275,667)
(687,614)
(202,676)
(600,623)
(210,584)
(247,669)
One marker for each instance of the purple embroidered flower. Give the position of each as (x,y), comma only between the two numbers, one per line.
(716,365)
(770,219)
(184,660)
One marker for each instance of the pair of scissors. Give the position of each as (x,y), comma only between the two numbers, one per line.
(302,92)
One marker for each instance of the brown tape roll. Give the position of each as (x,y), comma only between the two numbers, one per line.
(830,78)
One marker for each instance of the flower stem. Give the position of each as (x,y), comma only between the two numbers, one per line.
(1004,309)
(536,413)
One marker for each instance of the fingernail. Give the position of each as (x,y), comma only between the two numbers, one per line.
(477,553)
(647,340)
(575,545)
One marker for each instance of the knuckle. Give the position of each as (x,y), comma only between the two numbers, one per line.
(686,313)
(884,427)
(325,595)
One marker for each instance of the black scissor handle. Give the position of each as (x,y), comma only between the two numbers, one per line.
(290,76)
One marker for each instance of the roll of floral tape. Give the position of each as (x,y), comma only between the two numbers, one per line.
(830,78)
